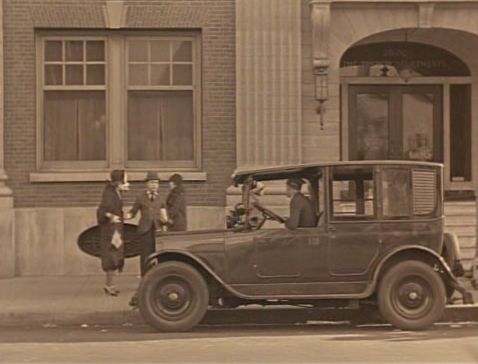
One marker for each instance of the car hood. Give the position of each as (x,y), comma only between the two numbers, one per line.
(190,240)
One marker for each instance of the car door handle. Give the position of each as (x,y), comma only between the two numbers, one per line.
(332,228)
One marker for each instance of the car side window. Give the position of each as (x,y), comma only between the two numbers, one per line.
(396,193)
(353,193)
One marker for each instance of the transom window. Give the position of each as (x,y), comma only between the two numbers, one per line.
(118,100)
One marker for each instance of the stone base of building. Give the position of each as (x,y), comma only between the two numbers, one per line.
(7,237)
(46,240)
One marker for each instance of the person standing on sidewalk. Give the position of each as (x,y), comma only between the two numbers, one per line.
(153,218)
(176,204)
(110,219)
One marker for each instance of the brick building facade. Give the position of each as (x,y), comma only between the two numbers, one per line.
(54,193)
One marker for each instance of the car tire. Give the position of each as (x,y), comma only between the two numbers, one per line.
(411,295)
(173,296)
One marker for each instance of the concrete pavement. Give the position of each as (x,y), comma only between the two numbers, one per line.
(320,343)
(81,300)
(61,299)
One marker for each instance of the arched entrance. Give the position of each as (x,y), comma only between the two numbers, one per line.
(404,99)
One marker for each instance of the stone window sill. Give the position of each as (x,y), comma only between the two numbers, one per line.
(41,177)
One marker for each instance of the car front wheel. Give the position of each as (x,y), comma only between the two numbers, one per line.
(173,296)
(411,295)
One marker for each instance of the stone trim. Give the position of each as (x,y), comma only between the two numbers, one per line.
(43,177)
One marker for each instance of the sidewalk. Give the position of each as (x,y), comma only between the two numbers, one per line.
(81,300)
(63,299)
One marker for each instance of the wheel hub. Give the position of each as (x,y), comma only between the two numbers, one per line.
(173,296)
(412,295)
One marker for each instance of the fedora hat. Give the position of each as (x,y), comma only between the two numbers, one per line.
(151,176)
(295,182)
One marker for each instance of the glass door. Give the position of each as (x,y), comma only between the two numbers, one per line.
(395,122)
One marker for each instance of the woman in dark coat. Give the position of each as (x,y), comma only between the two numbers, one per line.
(176,204)
(110,220)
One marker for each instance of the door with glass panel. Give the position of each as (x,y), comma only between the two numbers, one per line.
(395,122)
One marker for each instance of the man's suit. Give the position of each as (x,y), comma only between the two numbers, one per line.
(150,205)
(301,213)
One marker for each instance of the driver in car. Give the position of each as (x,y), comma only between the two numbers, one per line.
(301,208)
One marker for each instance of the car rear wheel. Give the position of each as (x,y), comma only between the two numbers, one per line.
(411,295)
(173,296)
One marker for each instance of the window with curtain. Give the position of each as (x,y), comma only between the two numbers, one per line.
(160,117)
(131,97)
(74,101)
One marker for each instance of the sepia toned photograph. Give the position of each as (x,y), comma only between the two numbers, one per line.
(238,181)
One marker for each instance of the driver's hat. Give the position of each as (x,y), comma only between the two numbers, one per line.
(295,182)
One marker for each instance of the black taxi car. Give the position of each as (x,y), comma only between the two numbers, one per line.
(379,237)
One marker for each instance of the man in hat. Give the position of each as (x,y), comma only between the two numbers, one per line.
(152,208)
(301,208)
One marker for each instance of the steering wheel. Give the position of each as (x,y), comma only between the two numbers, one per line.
(268,214)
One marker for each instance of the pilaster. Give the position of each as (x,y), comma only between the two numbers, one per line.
(268,84)
(7,241)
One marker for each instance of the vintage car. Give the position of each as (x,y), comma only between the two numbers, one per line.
(379,239)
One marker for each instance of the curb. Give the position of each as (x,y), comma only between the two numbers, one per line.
(273,315)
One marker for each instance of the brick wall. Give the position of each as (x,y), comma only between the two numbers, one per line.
(214,18)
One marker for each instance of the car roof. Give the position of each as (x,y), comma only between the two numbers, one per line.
(304,169)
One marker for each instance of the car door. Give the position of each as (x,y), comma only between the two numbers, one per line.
(272,261)
(353,228)
(282,253)
(276,262)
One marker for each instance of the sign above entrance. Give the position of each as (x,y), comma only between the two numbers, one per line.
(389,59)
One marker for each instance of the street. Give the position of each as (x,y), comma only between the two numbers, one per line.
(318,342)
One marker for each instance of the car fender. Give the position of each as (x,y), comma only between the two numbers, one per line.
(418,252)
(153,260)
(451,243)
(451,253)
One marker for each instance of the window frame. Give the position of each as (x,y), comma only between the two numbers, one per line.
(116,96)
(195,39)
(41,163)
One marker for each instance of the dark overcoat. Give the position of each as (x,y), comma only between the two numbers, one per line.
(301,213)
(176,206)
(112,258)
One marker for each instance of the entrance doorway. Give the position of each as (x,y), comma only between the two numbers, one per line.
(396,122)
